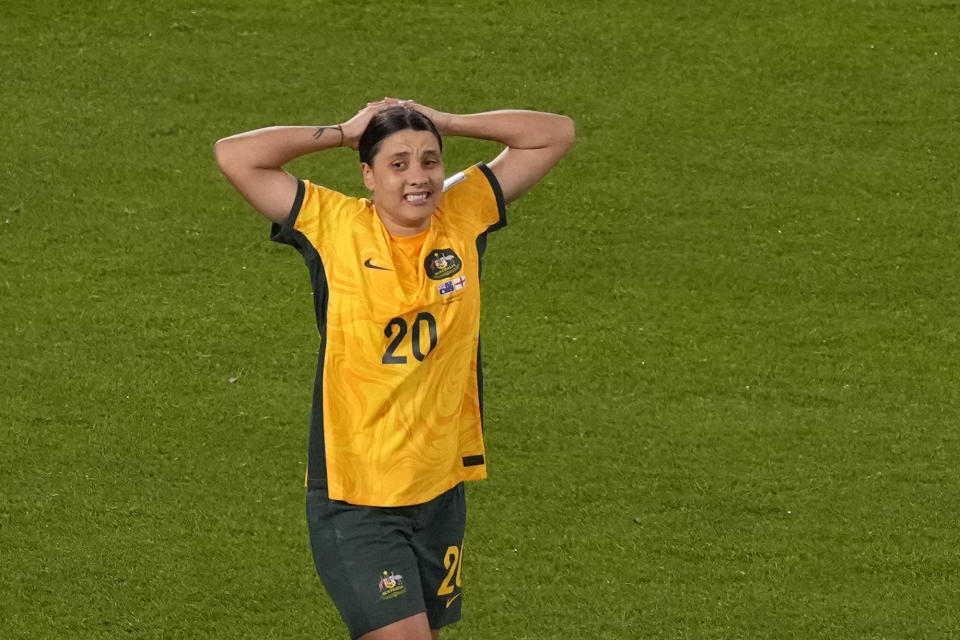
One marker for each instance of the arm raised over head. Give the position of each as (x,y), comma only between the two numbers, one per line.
(535,142)
(253,161)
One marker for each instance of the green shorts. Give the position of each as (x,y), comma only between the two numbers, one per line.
(384,564)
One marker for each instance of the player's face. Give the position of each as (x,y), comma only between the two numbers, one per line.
(406,180)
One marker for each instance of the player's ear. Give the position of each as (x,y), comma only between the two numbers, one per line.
(367,175)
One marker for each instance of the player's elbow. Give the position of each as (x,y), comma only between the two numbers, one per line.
(567,132)
(220,152)
(563,135)
(225,153)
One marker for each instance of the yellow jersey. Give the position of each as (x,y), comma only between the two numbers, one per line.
(397,404)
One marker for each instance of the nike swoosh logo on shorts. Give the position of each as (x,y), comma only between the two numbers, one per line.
(370,265)
(452,598)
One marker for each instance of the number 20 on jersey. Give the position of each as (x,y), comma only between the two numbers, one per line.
(399,346)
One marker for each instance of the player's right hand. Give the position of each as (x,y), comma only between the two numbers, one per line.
(355,126)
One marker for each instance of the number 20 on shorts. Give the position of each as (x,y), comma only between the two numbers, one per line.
(452,563)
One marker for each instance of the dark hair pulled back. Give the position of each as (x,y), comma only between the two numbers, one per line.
(389,121)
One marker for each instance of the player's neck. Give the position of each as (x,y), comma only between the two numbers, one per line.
(400,228)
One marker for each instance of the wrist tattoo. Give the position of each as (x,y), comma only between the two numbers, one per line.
(319,132)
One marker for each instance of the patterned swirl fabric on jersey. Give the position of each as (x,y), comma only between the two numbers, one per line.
(397,410)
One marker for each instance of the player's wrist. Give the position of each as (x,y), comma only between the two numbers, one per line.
(328,136)
(443,122)
(463,125)
(350,136)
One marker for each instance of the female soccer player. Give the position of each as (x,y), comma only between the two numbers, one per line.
(395,427)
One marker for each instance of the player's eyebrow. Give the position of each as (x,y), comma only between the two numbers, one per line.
(400,155)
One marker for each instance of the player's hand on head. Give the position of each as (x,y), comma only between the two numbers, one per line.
(355,126)
(439,118)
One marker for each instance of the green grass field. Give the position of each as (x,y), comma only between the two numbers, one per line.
(721,338)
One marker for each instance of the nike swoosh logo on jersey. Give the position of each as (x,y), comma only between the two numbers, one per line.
(451,599)
(370,265)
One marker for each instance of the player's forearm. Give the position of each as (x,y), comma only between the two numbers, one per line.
(513,128)
(273,147)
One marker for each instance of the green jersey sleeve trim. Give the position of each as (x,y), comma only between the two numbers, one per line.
(498,192)
(284,232)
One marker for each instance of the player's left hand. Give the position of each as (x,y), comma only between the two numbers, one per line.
(439,118)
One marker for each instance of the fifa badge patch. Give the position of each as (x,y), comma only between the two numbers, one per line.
(452,285)
(391,585)
(441,264)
